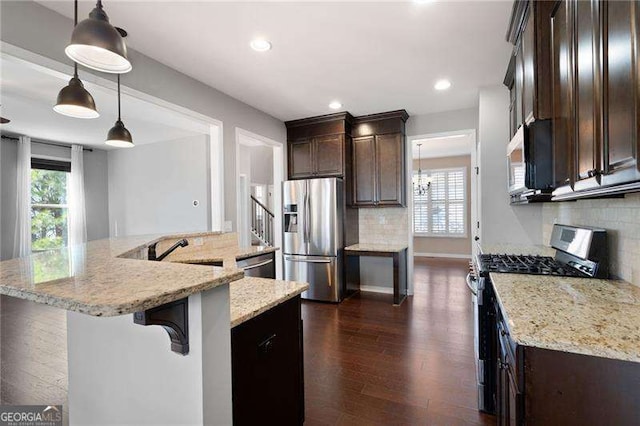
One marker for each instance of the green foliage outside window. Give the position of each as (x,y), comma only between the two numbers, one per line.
(48,209)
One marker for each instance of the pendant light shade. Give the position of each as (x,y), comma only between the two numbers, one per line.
(118,135)
(98,45)
(75,101)
(4,120)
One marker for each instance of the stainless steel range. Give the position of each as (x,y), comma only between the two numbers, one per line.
(580,252)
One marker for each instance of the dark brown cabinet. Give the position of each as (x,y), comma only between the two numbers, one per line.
(378,172)
(321,156)
(588,88)
(528,75)
(621,91)
(537,386)
(301,158)
(510,409)
(364,170)
(267,367)
(562,60)
(319,146)
(596,97)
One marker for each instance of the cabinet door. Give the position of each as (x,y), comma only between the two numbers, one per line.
(513,119)
(329,155)
(587,94)
(622,93)
(301,159)
(364,171)
(528,68)
(518,81)
(266,366)
(561,28)
(390,170)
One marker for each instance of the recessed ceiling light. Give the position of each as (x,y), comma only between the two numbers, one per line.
(335,105)
(423,1)
(442,85)
(260,45)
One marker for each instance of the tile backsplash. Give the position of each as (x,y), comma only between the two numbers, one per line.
(384,225)
(620,217)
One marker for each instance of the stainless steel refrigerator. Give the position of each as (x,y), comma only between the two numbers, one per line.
(313,242)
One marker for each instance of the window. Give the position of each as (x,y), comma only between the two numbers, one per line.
(49,208)
(441,211)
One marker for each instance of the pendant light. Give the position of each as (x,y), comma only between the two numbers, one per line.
(119,135)
(98,45)
(74,100)
(421,188)
(4,120)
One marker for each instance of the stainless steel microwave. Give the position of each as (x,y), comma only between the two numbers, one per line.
(530,158)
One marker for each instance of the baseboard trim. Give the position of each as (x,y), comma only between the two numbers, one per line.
(376,289)
(446,255)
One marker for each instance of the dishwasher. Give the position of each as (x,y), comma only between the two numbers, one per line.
(263,266)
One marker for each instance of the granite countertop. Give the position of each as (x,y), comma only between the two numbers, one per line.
(226,255)
(109,277)
(252,296)
(386,248)
(581,315)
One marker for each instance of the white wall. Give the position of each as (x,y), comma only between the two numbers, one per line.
(48,33)
(152,187)
(441,122)
(262,165)
(500,221)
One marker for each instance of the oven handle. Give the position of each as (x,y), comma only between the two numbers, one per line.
(473,289)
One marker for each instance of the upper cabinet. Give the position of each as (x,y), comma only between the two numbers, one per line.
(576,62)
(596,96)
(378,177)
(621,91)
(368,152)
(528,75)
(319,146)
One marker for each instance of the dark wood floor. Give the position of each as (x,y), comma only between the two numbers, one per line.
(366,362)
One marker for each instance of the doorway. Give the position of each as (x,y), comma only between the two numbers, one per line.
(259,174)
(449,161)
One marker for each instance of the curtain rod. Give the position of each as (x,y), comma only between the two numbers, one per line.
(61,145)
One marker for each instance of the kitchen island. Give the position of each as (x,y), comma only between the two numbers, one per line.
(120,371)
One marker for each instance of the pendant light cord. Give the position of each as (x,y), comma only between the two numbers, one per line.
(75,24)
(119,97)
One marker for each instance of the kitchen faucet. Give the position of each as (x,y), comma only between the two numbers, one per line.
(152,250)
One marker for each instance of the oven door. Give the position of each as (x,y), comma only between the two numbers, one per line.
(516,163)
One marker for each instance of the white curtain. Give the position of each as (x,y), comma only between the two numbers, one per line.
(77,211)
(22,236)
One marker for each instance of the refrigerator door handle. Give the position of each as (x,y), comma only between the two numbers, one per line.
(307,214)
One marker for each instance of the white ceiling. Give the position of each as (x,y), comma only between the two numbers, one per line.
(371,56)
(445,146)
(29,93)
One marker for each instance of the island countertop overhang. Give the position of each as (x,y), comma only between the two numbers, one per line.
(109,277)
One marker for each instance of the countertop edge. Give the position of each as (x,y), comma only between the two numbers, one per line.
(112,310)
(266,307)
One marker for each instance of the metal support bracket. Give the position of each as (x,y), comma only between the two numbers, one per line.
(174,318)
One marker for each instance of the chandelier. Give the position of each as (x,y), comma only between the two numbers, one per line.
(422,185)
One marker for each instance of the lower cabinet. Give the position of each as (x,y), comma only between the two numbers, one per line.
(267,367)
(537,386)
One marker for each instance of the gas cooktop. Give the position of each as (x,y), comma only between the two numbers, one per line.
(525,264)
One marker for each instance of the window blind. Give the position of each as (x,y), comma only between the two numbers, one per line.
(441,211)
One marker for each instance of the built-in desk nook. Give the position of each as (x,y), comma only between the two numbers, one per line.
(395,251)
